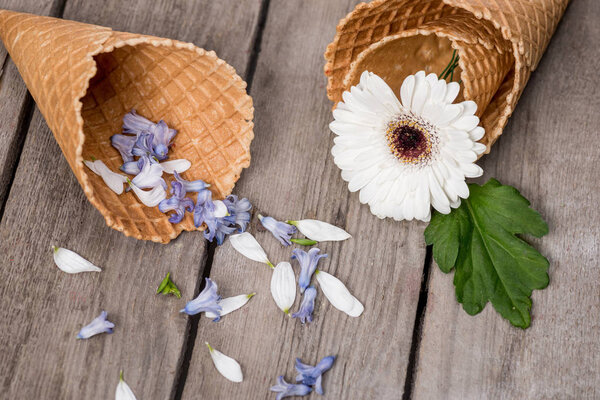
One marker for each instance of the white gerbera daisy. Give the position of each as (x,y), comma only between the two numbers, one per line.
(405,157)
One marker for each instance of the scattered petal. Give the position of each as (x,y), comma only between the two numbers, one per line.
(304,242)
(320,231)
(307,306)
(72,263)
(285,389)
(247,246)
(179,166)
(149,198)
(282,231)
(226,365)
(98,325)
(207,301)
(113,180)
(283,286)
(230,304)
(150,175)
(123,391)
(239,210)
(338,295)
(312,376)
(308,265)
(191,186)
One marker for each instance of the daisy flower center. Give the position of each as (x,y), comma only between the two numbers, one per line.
(411,139)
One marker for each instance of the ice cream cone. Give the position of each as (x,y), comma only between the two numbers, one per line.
(84,78)
(500,42)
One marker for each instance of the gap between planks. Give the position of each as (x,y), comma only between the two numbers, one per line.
(190,341)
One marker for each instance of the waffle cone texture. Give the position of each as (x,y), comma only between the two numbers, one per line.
(500,42)
(85,78)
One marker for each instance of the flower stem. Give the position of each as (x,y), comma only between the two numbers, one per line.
(449,70)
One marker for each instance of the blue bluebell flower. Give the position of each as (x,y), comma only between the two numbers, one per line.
(177,202)
(124,144)
(307,306)
(207,300)
(134,123)
(143,146)
(214,215)
(312,376)
(285,389)
(98,325)
(191,186)
(240,210)
(282,231)
(162,139)
(224,226)
(308,264)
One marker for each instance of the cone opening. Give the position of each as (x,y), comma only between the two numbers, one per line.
(396,57)
(193,92)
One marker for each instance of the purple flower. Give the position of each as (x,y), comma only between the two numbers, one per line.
(224,226)
(239,209)
(307,306)
(207,300)
(143,145)
(124,143)
(282,231)
(191,186)
(177,202)
(136,124)
(308,264)
(214,215)
(162,139)
(285,389)
(98,325)
(312,376)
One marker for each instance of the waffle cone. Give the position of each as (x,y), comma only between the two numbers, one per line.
(500,42)
(84,78)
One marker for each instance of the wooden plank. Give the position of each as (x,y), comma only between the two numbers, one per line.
(293,176)
(549,151)
(43,308)
(15,103)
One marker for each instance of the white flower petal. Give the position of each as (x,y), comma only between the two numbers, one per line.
(247,246)
(230,304)
(150,198)
(466,123)
(113,180)
(320,231)
(283,286)
(452,90)
(477,133)
(71,262)
(338,295)
(470,107)
(220,209)
(178,166)
(421,93)
(406,91)
(438,91)
(123,391)
(226,365)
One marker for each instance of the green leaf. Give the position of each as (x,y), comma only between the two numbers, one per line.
(491,263)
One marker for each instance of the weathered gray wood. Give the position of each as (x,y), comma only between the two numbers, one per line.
(42,308)
(14,101)
(292,177)
(550,152)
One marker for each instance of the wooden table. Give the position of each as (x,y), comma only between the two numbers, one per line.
(413,341)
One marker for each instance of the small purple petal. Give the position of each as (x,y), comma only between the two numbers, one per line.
(124,144)
(239,209)
(282,231)
(191,186)
(285,389)
(310,375)
(308,264)
(207,300)
(307,306)
(98,325)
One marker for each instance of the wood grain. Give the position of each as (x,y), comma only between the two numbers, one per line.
(293,177)
(42,309)
(549,151)
(15,103)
